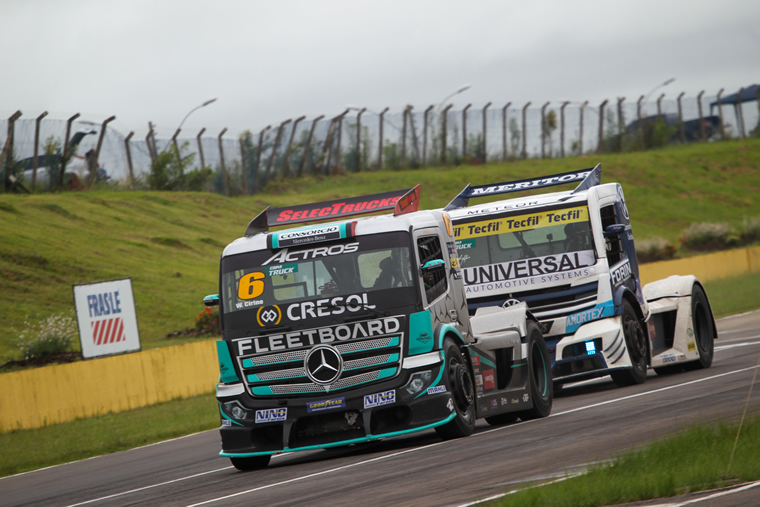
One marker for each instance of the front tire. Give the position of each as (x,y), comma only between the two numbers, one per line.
(704,333)
(636,343)
(541,387)
(462,390)
(251,463)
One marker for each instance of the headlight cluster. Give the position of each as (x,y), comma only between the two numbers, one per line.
(233,408)
(418,382)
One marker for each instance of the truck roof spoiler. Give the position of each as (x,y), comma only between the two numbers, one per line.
(401,201)
(587,177)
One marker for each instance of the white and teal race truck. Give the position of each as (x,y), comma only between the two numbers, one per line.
(358,330)
(570,257)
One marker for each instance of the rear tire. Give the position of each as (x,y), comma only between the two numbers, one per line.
(462,390)
(636,343)
(541,387)
(251,463)
(704,334)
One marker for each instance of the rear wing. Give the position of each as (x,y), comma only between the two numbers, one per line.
(588,178)
(401,201)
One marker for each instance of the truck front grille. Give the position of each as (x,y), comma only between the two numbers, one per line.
(561,301)
(283,373)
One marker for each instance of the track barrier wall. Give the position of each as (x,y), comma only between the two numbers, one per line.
(62,393)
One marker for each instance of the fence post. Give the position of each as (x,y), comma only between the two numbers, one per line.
(504,131)
(524,131)
(543,129)
(7,153)
(740,112)
(485,130)
(680,118)
(94,162)
(305,154)
(200,147)
(425,134)
(380,148)
(757,97)
(580,139)
(277,138)
(35,160)
(327,148)
(150,143)
(562,129)
(659,106)
(225,183)
(66,154)
(445,132)
(289,147)
(701,116)
(621,123)
(640,122)
(464,131)
(358,139)
(339,157)
(243,175)
(720,116)
(176,147)
(600,143)
(403,136)
(129,161)
(257,169)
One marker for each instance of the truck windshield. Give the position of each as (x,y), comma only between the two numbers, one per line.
(344,273)
(526,246)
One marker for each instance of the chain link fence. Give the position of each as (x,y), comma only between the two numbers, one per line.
(360,139)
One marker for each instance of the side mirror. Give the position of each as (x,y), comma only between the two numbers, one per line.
(212,300)
(432,265)
(612,231)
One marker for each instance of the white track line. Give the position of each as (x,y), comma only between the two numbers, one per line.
(332,470)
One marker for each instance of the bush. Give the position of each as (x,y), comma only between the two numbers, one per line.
(51,336)
(208,320)
(707,236)
(750,230)
(655,249)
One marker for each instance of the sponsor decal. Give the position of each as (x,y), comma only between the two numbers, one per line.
(668,358)
(351,417)
(475,360)
(282,269)
(690,332)
(620,273)
(106,303)
(108,331)
(226,422)
(305,236)
(318,406)
(652,329)
(495,278)
(504,401)
(489,381)
(494,404)
(450,405)
(513,186)
(520,223)
(339,208)
(316,336)
(515,400)
(380,399)
(501,207)
(328,306)
(574,321)
(692,346)
(623,207)
(436,389)
(479,385)
(271,415)
(466,244)
(268,316)
(681,357)
(526,397)
(286,256)
(424,338)
(454,262)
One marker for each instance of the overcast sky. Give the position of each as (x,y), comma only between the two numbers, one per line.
(265,62)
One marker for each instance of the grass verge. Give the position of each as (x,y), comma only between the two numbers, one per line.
(25,450)
(695,459)
(734,295)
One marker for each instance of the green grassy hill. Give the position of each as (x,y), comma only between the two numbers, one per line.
(169,243)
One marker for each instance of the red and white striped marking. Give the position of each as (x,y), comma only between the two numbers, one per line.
(108,331)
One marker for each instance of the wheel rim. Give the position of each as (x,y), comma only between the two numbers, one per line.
(636,342)
(540,379)
(464,393)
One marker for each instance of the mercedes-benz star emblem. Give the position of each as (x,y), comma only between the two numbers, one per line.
(511,302)
(323,364)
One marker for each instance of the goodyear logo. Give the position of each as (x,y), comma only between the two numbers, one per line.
(271,415)
(380,399)
(318,406)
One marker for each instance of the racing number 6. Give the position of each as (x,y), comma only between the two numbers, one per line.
(251,286)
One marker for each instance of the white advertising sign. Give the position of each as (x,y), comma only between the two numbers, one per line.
(107,318)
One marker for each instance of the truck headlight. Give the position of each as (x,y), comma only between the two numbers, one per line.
(235,410)
(418,381)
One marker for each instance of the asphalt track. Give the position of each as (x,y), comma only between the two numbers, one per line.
(590,422)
